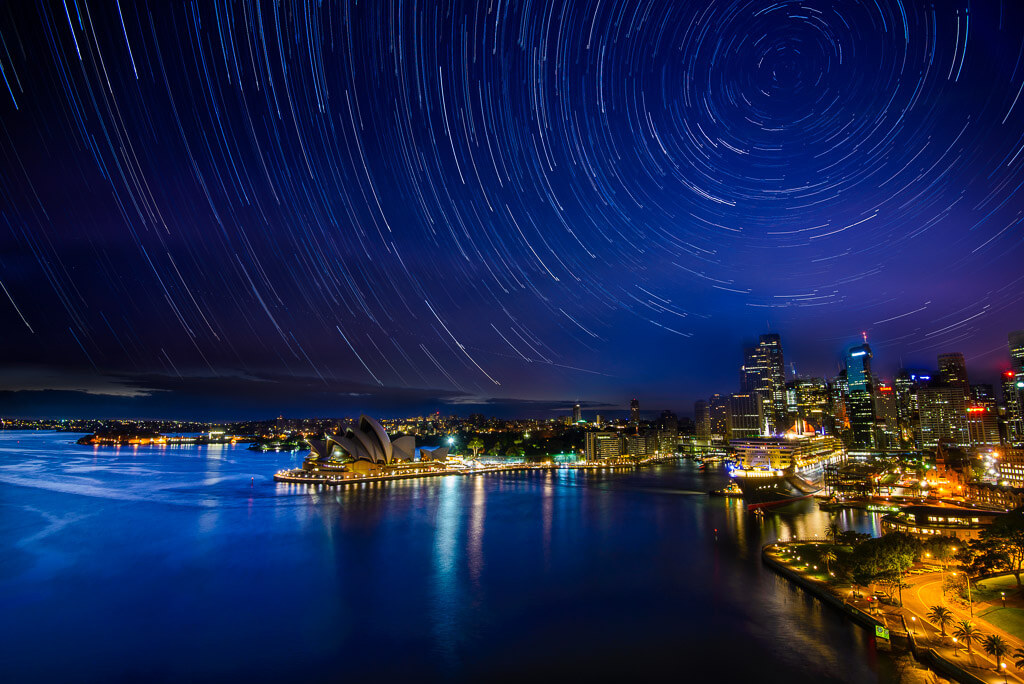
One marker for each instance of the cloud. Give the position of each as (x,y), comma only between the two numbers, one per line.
(43,378)
(527,404)
(46,391)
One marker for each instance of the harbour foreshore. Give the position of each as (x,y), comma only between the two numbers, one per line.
(899,635)
(300,476)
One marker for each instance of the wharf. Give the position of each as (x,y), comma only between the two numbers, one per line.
(299,476)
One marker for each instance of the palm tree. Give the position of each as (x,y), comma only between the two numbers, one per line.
(476,444)
(942,616)
(966,632)
(832,532)
(996,647)
(1018,656)
(828,556)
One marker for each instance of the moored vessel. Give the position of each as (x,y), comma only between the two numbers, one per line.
(776,470)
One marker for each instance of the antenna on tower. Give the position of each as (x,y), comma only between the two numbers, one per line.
(865,334)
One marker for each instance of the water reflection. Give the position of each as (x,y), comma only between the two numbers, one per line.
(575,574)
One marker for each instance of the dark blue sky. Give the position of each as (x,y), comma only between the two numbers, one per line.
(228,210)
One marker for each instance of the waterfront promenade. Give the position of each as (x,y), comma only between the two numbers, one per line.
(302,476)
(910,623)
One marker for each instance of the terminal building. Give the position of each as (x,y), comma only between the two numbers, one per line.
(935,521)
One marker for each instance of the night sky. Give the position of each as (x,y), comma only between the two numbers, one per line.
(231,209)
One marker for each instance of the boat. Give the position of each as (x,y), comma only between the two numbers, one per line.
(732,490)
(768,488)
(776,470)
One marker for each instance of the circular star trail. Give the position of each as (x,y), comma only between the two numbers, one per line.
(494,199)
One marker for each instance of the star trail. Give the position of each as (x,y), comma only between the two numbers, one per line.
(420,204)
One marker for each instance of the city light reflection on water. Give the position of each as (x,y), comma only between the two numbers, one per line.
(180,563)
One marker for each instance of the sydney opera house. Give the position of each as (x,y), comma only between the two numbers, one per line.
(366,451)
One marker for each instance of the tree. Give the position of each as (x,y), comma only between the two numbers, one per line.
(966,632)
(941,547)
(476,444)
(832,532)
(852,538)
(515,451)
(942,616)
(996,647)
(891,582)
(957,584)
(1008,532)
(1018,656)
(827,557)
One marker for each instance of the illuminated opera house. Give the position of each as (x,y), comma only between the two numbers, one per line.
(367,451)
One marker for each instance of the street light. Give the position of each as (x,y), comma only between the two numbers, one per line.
(1002,595)
(970,603)
(913,624)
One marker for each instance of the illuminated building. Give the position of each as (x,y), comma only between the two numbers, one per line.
(668,421)
(763,374)
(838,414)
(887,432)
(667,441)
(639,445)
(929,521)
(982,423)
(366,450)
(953,372)
(744,416)
(702,419)
(634,413)
(601,445)
(1011,467)
(861,403)
(577,414)
(983,392)
(1015,398)
(995,496)
(1011,415)
(719,410)
(943,414)
(812,402)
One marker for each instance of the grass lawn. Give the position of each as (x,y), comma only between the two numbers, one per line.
(989,589)
(1008,619)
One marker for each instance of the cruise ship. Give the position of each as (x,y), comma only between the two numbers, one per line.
(777,470)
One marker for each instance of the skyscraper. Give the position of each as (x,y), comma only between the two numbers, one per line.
(812,401)
(702,419)
(943,411)
(861,401)
(718,408)
(953,371)
(634,413)
(577,414)
(1015,400)
(744,416)
(764,373)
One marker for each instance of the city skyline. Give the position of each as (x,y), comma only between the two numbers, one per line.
(199,213)
(752,365)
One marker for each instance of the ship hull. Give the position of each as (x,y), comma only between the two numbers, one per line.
(766,491)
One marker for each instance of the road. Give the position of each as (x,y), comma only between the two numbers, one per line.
(926,591)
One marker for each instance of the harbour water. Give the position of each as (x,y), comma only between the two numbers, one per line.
(190,564)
